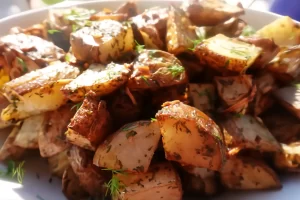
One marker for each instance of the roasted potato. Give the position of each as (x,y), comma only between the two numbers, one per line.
(3,104)
(284,31)
(101,80)
(28,135)
(247,132)
(59,163)
(102,42)
(52,139)
(160,182)
(91,178)
(289,97)
(241,173)
(90,125)
(227,54)
(38,30)
(129,9)
(153,69)
(139,138)
(190,137)
(192,185)
(180,32)
(210,12)
(289,159)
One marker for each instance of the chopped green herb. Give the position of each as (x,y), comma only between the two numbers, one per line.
(131,134)
(248,30)
(138,47)
(23,64)
(50,2)
(114,183)
(153,120)
(201,37)
(68,57)
(14,171)
(176,70)
(297,86)
(75,27)
(145,79)
(76,106)
(53,31)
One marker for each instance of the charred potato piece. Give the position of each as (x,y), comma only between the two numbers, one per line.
(139,138)
(180,32)
(190,137)
(52,140)
(285,66)
(28,135)
(102,42)
(284,31)
(227,54)
(210,12)
(289,159)
(249,133)
(90,125)
(71,186)
(154,69)
(289,97)
(59,163)
(99,79)
(128,8)
(248,174)
(91,178)
(160,182)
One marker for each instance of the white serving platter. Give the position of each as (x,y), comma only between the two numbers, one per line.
(38,184)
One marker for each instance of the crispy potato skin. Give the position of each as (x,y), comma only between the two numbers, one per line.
(160,182)
(90,125)
(240,173)
(185,127)
(139,139)
(129,9)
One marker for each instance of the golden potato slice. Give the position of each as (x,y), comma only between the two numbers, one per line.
(102,42)
(248,174)
(289,159)
(210,12)
(139,138)
(249,133)
(90,125)
(28,135)
(227,54)
(99,79)
(180,32)
(160,182)
(59,163)
(284,31)
(52,140)
(190,137)
(155,69)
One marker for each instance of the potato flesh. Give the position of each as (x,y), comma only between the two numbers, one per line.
(139,139)
(289,159)
(190,137)
(98,79)
(248,174)
(227,54)
(160,182)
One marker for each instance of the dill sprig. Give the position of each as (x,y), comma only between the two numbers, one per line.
(114,184)
(248,31)
(175,70)
(145,80)
(76,106)
(14,171)
(138,47)
(153,119)
(23,64)
(52,31)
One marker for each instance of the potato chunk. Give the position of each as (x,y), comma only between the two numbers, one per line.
(289,159)
(284,31)
(139,138)
(154,69)
(248,174)
(190,137)
(59,163)
(227,54)
(102,42)
(247,132)
(160,182)
(90,125)
(99,79)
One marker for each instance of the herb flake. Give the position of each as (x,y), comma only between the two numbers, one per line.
(76,106)
(23,64)
(175,70)
(14,171)
(52,31)
(138,47)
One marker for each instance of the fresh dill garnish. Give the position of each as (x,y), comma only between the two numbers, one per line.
(248,30)
(114,184)
(52,31)
(153,119)
(145,80)
(76,106)
(200,37)
(14,171)
(75,27)
(23,64)
(138,47)
(68,57)
(175,70)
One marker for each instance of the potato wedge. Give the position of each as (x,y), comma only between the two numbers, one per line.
(139,138)
(52,140)
(284,31)
(210,12)
(227,54)
(153,69)
(160,182)
(289,159)
(102,42)
(289,97)
(249,133)
(203,97)
(190,137)
(248,174)
(129,9)
(99,79)
(28,135)
(180,33)
(90,125)
(59,163)
(91,178)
